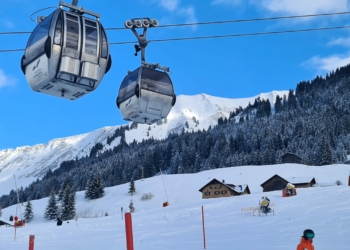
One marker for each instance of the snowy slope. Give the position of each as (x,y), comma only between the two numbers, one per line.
(179,226)
(30,162)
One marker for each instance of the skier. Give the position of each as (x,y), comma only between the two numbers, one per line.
(289,189)
(306,240)
(59,222)
(265,202)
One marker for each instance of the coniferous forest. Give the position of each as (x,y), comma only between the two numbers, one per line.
(313,122)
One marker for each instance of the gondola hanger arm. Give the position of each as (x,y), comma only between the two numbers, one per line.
(144,23)
(74,8)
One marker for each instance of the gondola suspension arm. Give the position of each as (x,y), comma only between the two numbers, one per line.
(74,8)
(144,23)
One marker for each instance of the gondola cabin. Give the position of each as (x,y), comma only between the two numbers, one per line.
(146,95)
(67,54)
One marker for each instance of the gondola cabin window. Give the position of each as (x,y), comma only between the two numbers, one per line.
(58,31)
(104,52)
(159,83)
(91,37)
(72,25)
(127,89)
(35,46)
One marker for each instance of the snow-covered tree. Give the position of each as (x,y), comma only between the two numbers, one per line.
(132,188)
(28,212)
(89,192)
(131,207)
(0,211)
(51,211)
(67,182)
(68,204)
(95,188)
(99,187)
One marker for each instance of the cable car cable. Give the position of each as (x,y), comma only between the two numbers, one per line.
(234,35)
(202,23)
(217,36)
(242,20)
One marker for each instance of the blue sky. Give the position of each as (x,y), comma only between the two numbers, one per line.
(234,67)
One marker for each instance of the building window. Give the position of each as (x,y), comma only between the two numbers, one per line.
(224,192)
(207,193)
(217,192)
(211,187)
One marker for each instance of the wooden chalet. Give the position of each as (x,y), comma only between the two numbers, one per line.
(291,158)
(276,182)
(4,222)
(218,189)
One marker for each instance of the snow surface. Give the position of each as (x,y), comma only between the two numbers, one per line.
(326,210)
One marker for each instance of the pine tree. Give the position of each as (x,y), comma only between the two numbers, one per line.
(99,187)
(89,192)
(95,188)
(324,152)
(278,104)
(68,204)
(51,211)
(131,207)
(67,182)
(292,100)
(132,188)
(28,212)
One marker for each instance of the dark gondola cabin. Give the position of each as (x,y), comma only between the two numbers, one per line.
(146,95)
(67,54)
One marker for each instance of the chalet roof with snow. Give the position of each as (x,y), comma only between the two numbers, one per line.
(215,181)
(235,188)
(300,180)
(293,180)
(5,222)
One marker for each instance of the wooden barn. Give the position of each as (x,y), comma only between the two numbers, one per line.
(291,158)
(218,189)
(276,182)
(302,182)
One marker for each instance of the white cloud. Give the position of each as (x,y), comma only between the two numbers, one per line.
(7,24)
(6,80)
(299,7)
(326,64)
(227,2)
(340,41)
(170,5)
(190,14)
(174,6)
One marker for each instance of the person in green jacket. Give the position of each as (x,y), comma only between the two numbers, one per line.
(306,240)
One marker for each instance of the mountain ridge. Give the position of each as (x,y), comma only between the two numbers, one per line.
(28,163)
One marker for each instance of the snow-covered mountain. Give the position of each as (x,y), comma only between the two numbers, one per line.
(28,163)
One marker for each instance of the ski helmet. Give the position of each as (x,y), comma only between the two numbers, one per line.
(309,234)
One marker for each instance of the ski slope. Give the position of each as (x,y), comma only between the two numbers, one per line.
(325,209)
